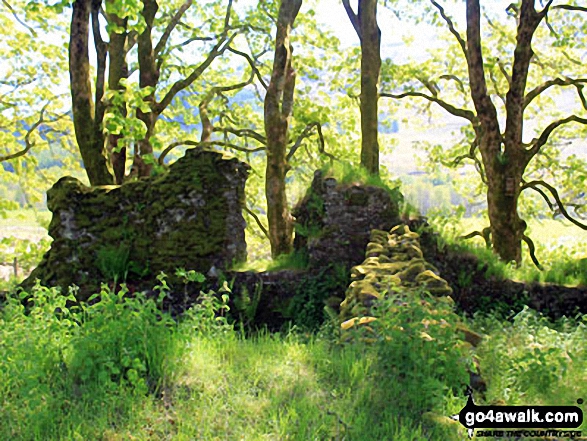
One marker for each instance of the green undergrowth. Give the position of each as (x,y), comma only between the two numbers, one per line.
(120,368)
(559,250)
(292,261)
(532,360)
(346,173)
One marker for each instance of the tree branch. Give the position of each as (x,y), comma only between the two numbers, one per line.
(534,93)
(173,145)
(179,85)
(27,138)
(257,220)
(245,133)
(555,195)
(571,8)
(352,17)
(15,15)
(207,127)
(537,143)
(532,249)
(452,28)
(462,113)
(169,29)
(251,62)
(485,234)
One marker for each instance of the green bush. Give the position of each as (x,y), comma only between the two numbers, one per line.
(532,360)
(124,342)
(420,356)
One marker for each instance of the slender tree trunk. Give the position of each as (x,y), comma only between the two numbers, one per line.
(87,128)
(278,109)
(370,69)
(117,70)
(365,24)
(148,77)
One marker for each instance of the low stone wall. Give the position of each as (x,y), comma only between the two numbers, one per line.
(474,290)
(190,217)
(393,263)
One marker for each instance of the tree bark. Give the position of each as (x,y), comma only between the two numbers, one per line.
(370,68)
(278,108)
(365,24)
(504,157)
(88,128)
(148,77)
(117,70)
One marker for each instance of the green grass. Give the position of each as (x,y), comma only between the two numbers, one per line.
(120,370)
(559,249)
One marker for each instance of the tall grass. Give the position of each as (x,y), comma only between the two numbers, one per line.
(121,369)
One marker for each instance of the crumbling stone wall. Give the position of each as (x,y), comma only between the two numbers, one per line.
(333,220)
(190,217)
(393,262)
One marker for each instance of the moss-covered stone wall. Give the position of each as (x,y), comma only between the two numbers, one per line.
(393,262)
(188,217)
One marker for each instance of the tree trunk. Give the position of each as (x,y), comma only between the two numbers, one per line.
(148,77)
(370,69)
(507,228)
(88,131)
(278,109)
(503,157)
(117,70)
(365,24)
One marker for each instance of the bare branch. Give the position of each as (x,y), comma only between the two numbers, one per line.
(537,143)
(452,28)
(257,220)
(15,15)
(173,145)
(27,138)
(252,63)
(504,72)
(207,127)
(352,17)
(555,195)
(485,234)
(530,96)
(495,83)
(169,29)
(227,16)
(245,133)
(571,8)
(179,85)
(532,250)
(460,84)
(303,135)
(463,113)
(579,88)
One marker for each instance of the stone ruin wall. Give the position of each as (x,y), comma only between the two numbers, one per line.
(190,217)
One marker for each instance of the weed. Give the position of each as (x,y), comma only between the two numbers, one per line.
(113,262)
(418,351)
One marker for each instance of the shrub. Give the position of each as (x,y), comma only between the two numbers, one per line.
(124,342)
(420,356)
